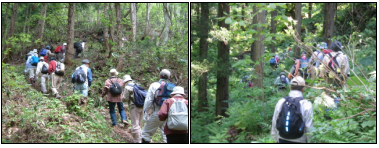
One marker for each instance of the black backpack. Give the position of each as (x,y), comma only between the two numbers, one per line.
(115,88)
(290,123)
(78,47)
(139,95)
(44,69)
(79,76)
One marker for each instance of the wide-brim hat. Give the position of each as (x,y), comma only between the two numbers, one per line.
(177,90)
(113,72)
(165,72)
(127,78)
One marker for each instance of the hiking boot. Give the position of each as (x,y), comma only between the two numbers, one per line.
(143,141)
(125,122)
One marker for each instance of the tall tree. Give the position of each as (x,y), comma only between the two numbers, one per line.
(273,28)
(26,18)
(202,92)
(41,24)
(133,18)
(71,22)
(243,15)
(223,65)
(330,13)
(164,35)
(13,20)
(147,19)
(310,17)
(5,22)
(119,36)
(298,27)
(111,27)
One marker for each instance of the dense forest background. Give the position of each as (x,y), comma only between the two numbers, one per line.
(233,41)
(156,38)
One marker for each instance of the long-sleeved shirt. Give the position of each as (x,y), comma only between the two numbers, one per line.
(163,114)
(28,62)
(149,100)
(129,93)
(108,83)
(89,74)
(279,81)
(316,57)
(342,60)
(39,68)
(307,116)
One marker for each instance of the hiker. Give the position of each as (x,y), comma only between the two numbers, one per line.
(300,67)
(79,46)
(282,81)
(42,70)
(274,61)
(47,53)
(246,79)
(82,85)
(136,112)
(171,129)
(31,64)
(293,116)
(61,52)
(318,56)
(337,64)
(152,102)
(336,46)
(113,88)
(56,70)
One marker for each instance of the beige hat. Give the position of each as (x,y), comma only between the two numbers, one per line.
(113,72)
(178,90)
(297,81)
(165,72)
(35,50)
(127,78)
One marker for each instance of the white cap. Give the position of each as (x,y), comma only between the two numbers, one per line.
(64,44)
(297,81)
(35,50)
(177,90)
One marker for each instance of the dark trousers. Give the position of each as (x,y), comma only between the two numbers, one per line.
(285,141)
(177,138)
(120,110)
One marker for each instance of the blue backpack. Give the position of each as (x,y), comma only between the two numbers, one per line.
(163,92)
(303,63)
(34,60)
(43,52)
(139,95)
(272,62)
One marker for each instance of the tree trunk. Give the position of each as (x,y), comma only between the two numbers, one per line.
(105,31)
(298,28)
(243,15)
(41,25)
(133,18)
(119,35)
(111,27)
(223,64)
(147,19)
(166,30)
(13,20)
(330,12)
(26,19)
(202,92)
(273,28)
(310,17)
(4,25)
(70,44)
(257,51)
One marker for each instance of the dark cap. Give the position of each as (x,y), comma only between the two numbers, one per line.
(85,61)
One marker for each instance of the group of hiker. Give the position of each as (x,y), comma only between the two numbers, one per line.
(164,99)
(293,114)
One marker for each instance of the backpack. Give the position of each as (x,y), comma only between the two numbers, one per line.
(272,62)
(58,49)
(44,69)
(78,47)
(79,76)
(163,92)
(178,116)
(43,52)
(303,63)
(333,64)
(59,69)
(115,88)
(62,49)
(34,60)
(290,123)
(327,51)
(139,95)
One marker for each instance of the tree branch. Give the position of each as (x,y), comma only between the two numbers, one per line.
(356,114)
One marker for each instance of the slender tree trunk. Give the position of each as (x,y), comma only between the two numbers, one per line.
(298,28)
(70,45)
(13,20)
(243,15)
(134,20)
(257,51)
(223,64)
(202,92)
(119,35)
(164,35)
(330,12)
(273,28)
(310,16)
(147,19)
(4,25)
(105,31)
(111,27)
(26,19)
(41,25)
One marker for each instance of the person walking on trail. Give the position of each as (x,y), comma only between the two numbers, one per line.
(113,88)
(42,70)
(31,65)
(293,116)
(48,53)
(83,87)
(136,113)
(153,122)
(282,81)
(300,67)
(56,70)
(318,55)
(79,48)
(174,136)
(61,52)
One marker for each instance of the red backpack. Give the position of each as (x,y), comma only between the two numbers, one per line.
(326,51)
(59,49)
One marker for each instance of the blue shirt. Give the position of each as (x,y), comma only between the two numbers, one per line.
(89,75)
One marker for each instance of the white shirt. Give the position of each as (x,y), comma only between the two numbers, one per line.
(149,100)
(307,116)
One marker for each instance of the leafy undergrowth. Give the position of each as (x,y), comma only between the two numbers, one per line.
(31,117)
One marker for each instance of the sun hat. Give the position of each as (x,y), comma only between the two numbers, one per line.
(127,78)
(177,90)
(323,45)
(113,72)
(165,72)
